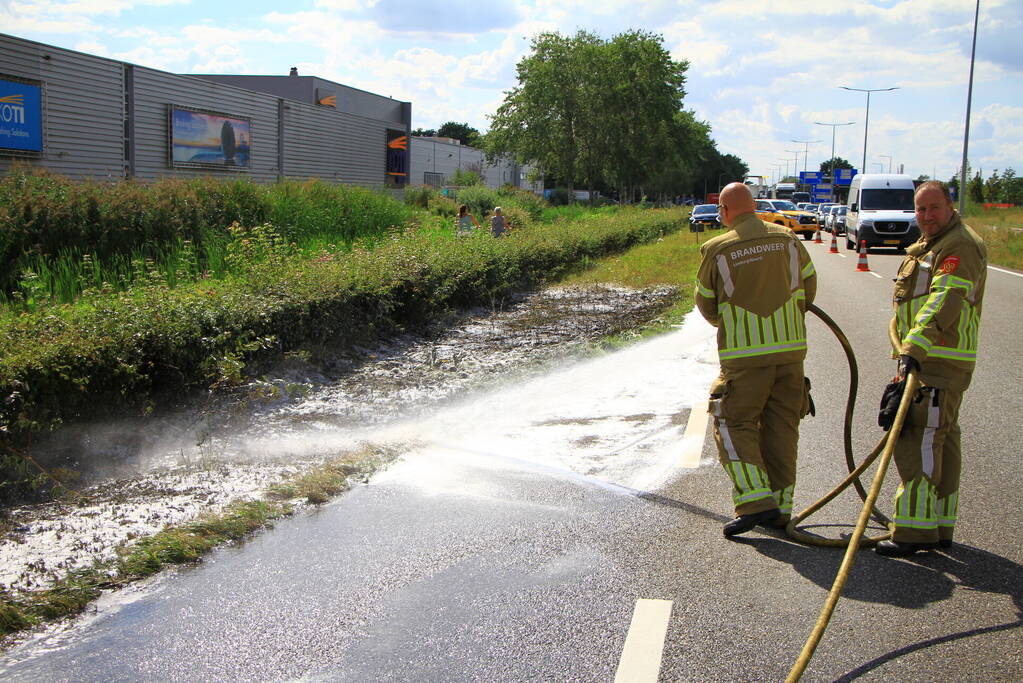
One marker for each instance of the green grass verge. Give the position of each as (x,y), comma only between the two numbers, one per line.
(1002,232)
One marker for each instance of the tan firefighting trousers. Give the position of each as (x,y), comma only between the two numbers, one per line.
(929,461)
(756,414)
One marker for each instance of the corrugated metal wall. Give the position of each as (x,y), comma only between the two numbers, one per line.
(155,91)
(96,126)
(430,155)
(83,108)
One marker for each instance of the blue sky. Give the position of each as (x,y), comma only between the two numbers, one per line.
(761,73)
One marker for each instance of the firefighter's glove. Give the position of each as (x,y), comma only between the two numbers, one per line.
(907,364)
(890,400)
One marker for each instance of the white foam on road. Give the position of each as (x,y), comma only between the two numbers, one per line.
(620,417)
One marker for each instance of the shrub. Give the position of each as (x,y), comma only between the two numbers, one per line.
(560,197)
(466,178)
(419,195)
(480,200)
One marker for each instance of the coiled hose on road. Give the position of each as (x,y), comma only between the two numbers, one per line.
(885,449)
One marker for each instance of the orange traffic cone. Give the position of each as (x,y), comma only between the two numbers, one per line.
(861,265)
(834,244)
(817,238)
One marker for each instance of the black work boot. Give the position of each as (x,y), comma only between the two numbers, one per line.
(744,523)
(902,548)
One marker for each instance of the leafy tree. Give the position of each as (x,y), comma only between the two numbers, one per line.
(1012,187)
(975,188)
(424,132)
(604,113)
(462,132)
(993,188)
(828,167)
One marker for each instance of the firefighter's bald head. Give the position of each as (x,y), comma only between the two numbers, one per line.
(735,200)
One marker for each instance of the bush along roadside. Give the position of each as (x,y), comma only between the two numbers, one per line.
(110,353)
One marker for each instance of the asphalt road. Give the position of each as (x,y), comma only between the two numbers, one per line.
(464,565)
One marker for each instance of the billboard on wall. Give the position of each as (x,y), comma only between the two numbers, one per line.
(21,116)
(200,138)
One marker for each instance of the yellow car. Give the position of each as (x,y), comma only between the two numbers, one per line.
(784,212)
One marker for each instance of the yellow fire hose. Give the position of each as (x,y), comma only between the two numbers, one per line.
(885,448)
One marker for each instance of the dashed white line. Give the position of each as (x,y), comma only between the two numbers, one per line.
(644,644)
(692,441)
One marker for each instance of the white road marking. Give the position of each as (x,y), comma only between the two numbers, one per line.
(644,644)
(1007,272)
(692,441)
(875,275)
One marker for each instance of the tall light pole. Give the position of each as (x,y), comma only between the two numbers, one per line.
(806,150)
(866,120)
(889,158)
(786,169)
(969,99)
(795,161)
(777,169)
(833,127)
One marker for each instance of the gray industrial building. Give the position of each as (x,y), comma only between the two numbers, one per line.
(435,160)
(91,117)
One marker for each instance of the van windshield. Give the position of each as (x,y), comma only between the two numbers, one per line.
(886,200)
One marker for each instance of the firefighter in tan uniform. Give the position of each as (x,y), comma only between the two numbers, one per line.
(754,284)
(938,297)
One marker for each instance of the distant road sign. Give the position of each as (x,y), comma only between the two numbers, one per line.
(809,177)
(844,176)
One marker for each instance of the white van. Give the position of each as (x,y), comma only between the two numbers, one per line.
(881,211)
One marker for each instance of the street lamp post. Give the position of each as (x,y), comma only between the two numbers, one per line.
(833,126)
(795,161)
(786,169)
(866,120)
(966,131)
(806,150)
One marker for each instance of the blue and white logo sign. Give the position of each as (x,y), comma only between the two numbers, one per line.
(21,116)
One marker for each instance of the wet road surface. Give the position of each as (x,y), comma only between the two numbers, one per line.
(497,560)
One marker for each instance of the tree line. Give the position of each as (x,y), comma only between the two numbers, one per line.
(608,115)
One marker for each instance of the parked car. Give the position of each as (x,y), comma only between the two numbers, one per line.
(805,206)
(704,216)
(822,213)
(836,219)
(784,212)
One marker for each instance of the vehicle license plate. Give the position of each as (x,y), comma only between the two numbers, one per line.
(891,241)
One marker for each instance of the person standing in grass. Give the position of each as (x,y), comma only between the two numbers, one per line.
(498,223)
(754,285)
(465,222)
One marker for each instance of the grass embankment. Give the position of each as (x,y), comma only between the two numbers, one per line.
(128,350)
(1002,232)
(185,543)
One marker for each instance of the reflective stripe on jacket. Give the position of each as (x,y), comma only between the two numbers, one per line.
(938,296)
(754,284)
